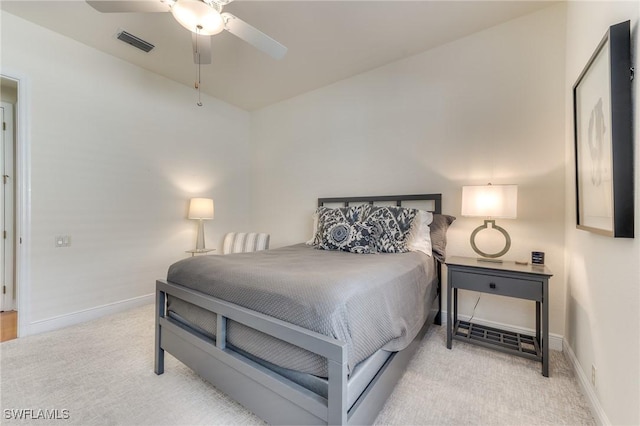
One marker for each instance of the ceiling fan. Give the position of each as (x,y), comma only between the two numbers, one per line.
(202,18)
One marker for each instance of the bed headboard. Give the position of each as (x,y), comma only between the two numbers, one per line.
(435,199)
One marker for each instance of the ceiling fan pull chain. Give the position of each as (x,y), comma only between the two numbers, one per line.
(199,103)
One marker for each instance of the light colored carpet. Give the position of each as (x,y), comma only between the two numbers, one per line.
(102,373)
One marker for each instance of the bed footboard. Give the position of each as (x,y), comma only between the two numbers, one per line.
(267,394)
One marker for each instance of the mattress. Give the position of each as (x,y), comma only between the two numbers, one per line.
(370,302)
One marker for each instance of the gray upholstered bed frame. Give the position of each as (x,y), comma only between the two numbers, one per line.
(267,394)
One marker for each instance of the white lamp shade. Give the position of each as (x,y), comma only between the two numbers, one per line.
(499,201)
(197,17)
(201,208)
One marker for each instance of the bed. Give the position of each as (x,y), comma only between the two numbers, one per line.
(296,346)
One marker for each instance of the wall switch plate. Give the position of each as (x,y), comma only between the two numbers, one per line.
(63,241)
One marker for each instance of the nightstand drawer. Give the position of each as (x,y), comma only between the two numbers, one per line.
(503,286)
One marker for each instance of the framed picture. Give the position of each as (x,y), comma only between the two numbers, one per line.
(604,138)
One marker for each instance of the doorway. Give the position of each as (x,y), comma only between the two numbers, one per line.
(8,290)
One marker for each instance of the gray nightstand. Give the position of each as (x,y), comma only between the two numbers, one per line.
(529,282)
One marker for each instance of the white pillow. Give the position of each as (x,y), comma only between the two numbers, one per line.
(420,234)
(315,229)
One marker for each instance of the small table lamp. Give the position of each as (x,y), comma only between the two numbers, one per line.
(492,201)
(201,209)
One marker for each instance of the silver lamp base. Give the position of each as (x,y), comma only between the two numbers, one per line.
(200,238)
(490,257)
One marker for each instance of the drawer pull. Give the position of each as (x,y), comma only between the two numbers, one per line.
(492,285)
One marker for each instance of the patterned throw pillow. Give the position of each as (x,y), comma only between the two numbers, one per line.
(390,227)
(342,229)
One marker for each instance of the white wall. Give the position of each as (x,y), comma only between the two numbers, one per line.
(603,274)
(488,107)
(116,152)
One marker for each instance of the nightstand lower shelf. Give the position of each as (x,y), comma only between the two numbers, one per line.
(502,340)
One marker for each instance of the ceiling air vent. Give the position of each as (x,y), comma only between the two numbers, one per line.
(135,41)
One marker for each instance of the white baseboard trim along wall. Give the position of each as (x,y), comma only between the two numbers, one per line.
(73,318)
(587,389)
(555,340)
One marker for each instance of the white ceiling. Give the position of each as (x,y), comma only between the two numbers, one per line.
(327,40)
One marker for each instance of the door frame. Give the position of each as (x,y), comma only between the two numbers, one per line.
(7,205)
(22,199)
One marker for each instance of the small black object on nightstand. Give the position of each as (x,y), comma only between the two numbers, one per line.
(537,257)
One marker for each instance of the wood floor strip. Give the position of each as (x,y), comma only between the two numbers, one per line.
(8,325)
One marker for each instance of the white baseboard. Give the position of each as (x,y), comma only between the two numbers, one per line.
(78,317)
(555,340)
(587,389)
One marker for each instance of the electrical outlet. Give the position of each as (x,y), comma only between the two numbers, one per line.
(593,375)
(63,241)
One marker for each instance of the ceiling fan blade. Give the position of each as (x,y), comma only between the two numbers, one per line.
(119,6)
(202,44)
(253,36)
(222,3)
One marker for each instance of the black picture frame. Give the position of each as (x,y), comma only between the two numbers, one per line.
(603,136)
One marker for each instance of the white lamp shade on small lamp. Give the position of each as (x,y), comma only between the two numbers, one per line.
(201,209)
(490,201)
(497,201)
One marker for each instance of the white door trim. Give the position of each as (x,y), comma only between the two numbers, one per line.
(7,205)
(22,199)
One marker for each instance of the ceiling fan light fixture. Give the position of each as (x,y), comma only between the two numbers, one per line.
(197,17)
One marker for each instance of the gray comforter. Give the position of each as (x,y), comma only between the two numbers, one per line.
(369,301)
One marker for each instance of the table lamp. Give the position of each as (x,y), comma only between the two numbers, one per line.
(490,201)
(201,209)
